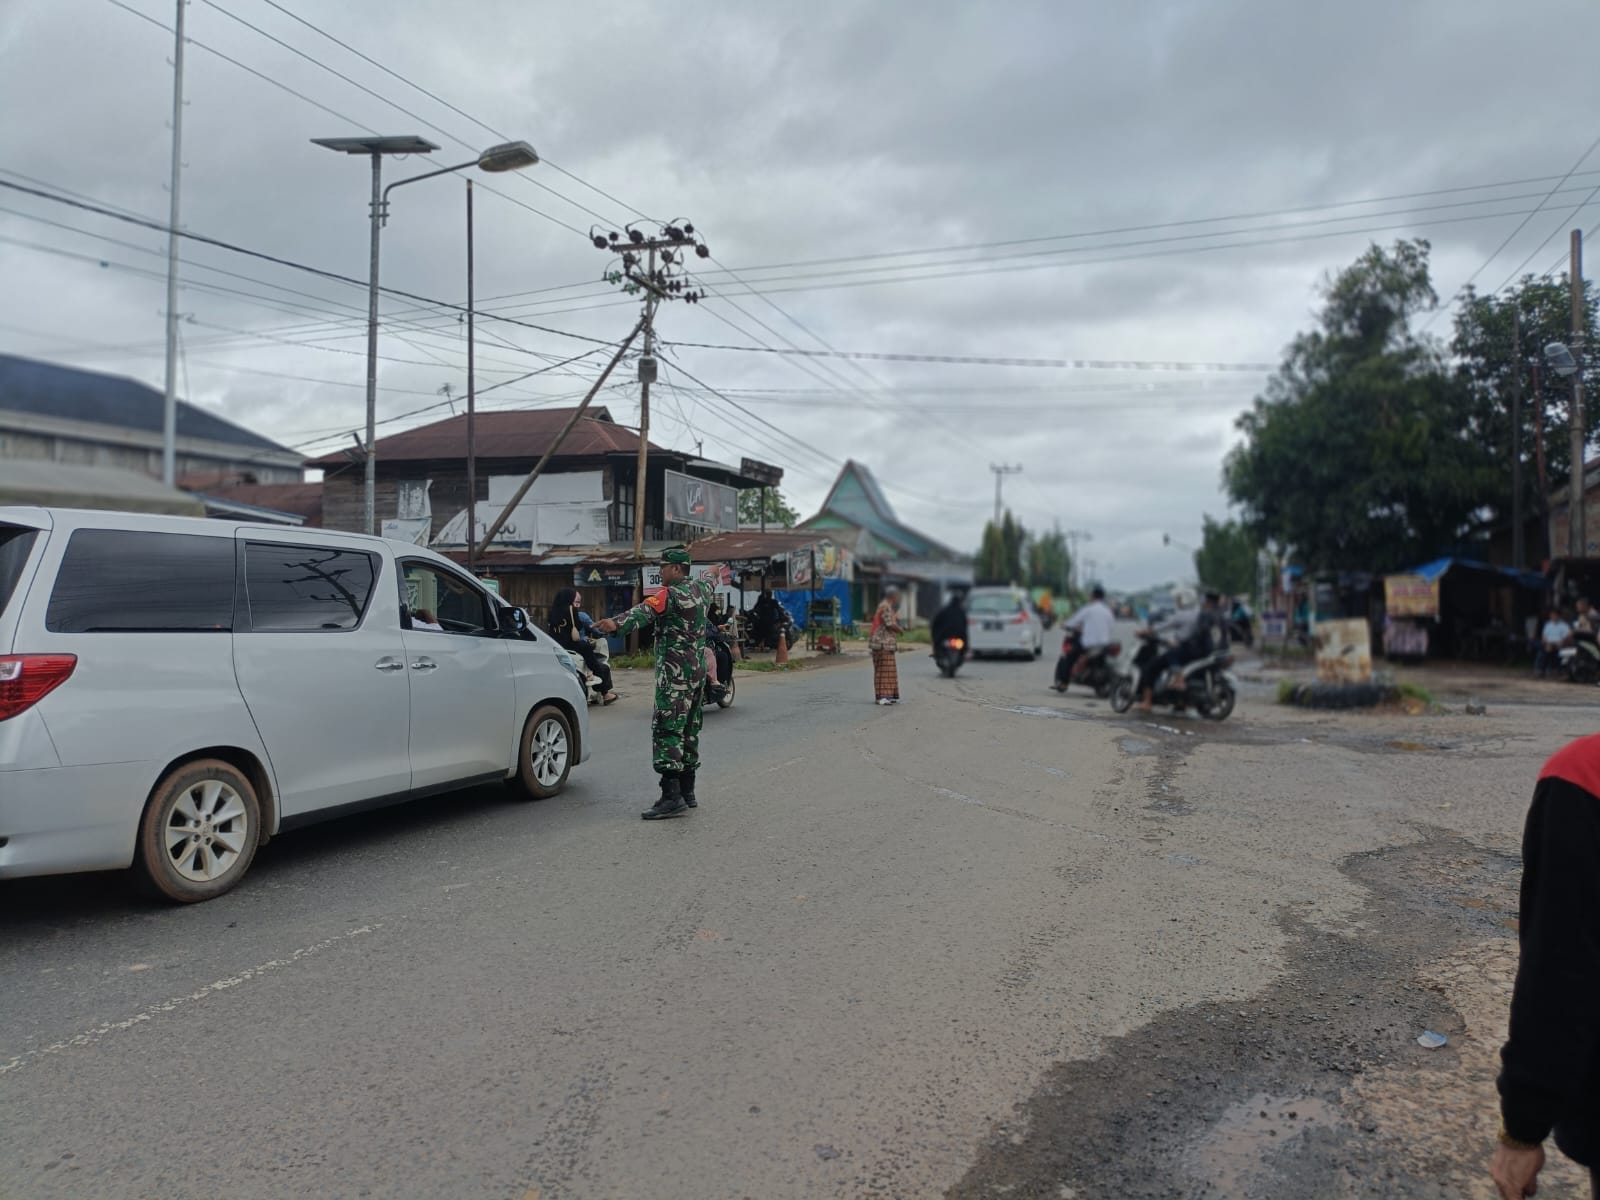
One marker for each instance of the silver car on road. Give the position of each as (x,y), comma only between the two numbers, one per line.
(175,691)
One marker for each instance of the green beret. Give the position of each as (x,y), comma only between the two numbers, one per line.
(679,557)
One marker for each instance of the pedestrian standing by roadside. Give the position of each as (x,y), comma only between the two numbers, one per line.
(883,643)
(678,613)
(1550,1076)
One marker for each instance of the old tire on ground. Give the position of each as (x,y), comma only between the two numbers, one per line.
(545,758)
(1122,696)
(199,831)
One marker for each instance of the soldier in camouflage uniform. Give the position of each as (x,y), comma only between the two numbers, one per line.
(678,615)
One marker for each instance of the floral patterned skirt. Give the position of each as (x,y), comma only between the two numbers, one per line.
(885,675)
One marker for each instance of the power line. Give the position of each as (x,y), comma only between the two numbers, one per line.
(161,227)
(1521,225)
(1559,227)
(1076,364)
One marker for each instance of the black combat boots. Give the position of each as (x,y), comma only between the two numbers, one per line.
(686,788)
(671,803)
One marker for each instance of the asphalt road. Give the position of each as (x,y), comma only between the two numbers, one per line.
(988,942)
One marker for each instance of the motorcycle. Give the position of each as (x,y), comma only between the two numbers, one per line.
(1095,670)
(592,690)
(721,692)
(1208,687)
(949,654)
(1581,661)
(1240,627)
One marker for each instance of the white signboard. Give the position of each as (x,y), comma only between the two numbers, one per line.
(577,495)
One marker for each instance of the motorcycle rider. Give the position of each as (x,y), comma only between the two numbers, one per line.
(949,622)
(565,626)
(1093,623)
(1202,638)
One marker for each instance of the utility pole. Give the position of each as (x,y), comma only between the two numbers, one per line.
(1074,536)
(169,415)
(472,408)
(1516,438)
(664,259)
(647,372)
(1000,472)
(1577,546)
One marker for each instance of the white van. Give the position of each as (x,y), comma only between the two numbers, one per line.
(175,691)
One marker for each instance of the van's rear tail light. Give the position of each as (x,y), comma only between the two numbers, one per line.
(26,679)
(1020,619)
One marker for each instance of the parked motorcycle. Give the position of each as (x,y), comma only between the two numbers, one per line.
(1240,627)
(1097,669)
(949,654)
(1208,688)
(721,692)
(1581,661)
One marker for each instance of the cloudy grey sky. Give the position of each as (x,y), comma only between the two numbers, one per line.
(846,132)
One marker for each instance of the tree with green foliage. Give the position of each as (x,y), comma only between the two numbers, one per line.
(1484,346)
(1362,452)
(778,513)
(1050,563)
(1226,559)
(1000,554)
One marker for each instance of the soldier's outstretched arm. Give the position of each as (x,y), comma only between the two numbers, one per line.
(642,615)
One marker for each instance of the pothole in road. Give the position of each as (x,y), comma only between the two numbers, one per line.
(1173,1109)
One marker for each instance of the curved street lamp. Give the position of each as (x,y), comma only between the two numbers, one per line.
(507,156)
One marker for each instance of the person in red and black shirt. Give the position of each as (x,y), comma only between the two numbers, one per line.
(1550,1076)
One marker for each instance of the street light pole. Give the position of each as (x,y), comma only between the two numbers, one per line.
(508,156)
(1516,438)
(472,414)
(370,463)
(169,412)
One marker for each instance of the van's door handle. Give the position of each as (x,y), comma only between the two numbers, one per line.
(424,664)
(390,664)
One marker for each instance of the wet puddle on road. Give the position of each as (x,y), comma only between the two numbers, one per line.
(1231,1156)
(1137,746)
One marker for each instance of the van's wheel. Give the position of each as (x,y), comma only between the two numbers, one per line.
(199,832)
(1122,695)
(545,759)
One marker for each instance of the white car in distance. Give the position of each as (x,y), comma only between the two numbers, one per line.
(1002,621)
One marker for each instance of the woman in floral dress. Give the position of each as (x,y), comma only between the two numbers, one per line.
(885,628)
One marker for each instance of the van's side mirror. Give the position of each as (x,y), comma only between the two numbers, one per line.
(519,621)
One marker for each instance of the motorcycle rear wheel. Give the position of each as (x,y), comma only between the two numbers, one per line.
(1122,696)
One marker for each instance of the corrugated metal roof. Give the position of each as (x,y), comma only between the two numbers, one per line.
(750,543)
(616,554)
(50,390)
(517,434)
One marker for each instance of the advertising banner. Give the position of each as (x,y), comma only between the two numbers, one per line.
(1410,596)
(698,502)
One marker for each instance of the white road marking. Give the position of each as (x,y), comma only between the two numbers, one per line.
(90,1036)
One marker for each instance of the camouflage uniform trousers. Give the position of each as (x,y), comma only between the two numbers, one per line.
(675,727)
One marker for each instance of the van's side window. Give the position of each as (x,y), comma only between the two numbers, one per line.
(115,581)
(442,602)
(307,588)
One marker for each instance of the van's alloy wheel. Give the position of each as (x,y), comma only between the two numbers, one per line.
(199,832)
(546,756)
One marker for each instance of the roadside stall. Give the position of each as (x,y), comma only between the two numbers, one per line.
(1460,608)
